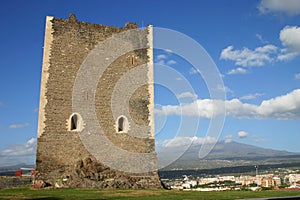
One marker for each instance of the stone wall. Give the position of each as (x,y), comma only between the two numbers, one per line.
(10,182)
(60,151)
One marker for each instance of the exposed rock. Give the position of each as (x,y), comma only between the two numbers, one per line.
(38,184)
(90,173)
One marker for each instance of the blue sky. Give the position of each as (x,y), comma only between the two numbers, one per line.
(255,45)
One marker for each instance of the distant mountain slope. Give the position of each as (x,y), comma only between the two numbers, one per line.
(235,150)
(229,154)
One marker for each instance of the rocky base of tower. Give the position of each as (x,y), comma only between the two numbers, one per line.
(88,173)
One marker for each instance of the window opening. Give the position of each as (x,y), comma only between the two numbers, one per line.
(121,124)
(74,121)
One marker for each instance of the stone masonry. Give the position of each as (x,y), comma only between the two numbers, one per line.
(62,158)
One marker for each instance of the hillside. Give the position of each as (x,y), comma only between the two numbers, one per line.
(232,154)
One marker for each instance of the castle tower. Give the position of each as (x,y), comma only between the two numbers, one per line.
(96,126)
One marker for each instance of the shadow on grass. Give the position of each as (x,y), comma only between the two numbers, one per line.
(47,198)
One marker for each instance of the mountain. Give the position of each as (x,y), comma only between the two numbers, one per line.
(231,154)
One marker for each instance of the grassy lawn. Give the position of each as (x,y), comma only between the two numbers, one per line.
(28,193)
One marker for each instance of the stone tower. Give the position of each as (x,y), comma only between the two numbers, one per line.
(96,125)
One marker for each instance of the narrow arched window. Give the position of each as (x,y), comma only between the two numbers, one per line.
(74,122)
(132,60)
(122,125)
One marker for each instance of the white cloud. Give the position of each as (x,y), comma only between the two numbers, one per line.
(249,58)
(290,38)
(287,56)
(160,62)
(168,50)
(297,76)
(260,56)
(185,141)
(161,57)
(261,39)
(238,109)
(238,70)
(251,96)
(254,138)
(194,71)
(281,107)
(19,153)
(225,89)
(242,134)
(187,95)
(228,138)
(171,62)
(31,141)
(205,108)
(19,125)
(289,7)
(20,149)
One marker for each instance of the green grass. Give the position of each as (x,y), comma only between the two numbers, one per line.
(45,194)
